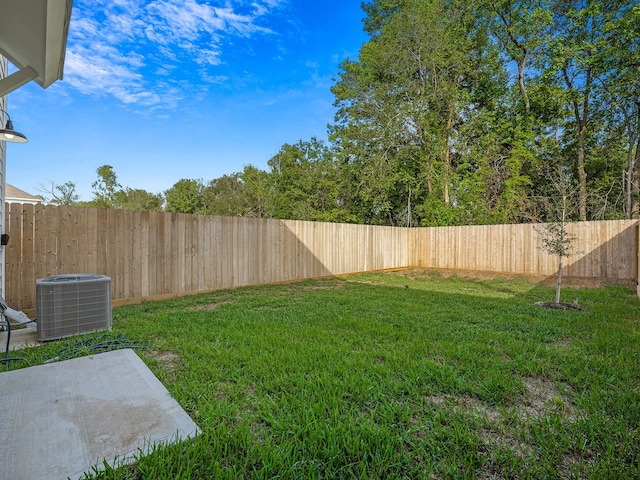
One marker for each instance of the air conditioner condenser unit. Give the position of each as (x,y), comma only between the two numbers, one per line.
(72,304)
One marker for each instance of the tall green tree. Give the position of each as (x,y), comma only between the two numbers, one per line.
(227,196)
(522,27)
(257,188)
(185,196)
(428,68)
(105,188)
(620,93)
(138,199)
(305,183)
(61,194)
(574,58)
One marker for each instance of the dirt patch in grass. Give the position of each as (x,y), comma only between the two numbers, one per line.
(503,429)
(477,406)
(439,400)
(543,396)
(572,461)
(169,360)
(558,306)
(565,342)
(208,307)
(320,286)
(500,433)
(336,286)
(506,441)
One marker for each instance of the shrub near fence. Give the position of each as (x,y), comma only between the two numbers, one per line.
(154,254)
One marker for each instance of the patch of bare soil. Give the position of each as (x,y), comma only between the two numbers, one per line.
(169,360)
(336,286)
(209,307)
(323,284)
(565,342)
(508,442)
(542,396)
(439,400)
(473,404)
(498,434)
(558,306)
(570,460)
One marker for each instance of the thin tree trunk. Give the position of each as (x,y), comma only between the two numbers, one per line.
(522,62)
(582,116)
(559,284)
(582,175)
(409,209)
(523,88)
(563,233)
(447,157)
(627,176)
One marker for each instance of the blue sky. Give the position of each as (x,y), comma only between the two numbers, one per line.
(170,89)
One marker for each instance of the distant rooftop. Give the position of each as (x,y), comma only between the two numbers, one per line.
(15,195)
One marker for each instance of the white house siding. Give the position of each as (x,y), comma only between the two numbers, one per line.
(3,153)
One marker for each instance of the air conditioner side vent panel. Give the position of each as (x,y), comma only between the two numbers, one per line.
(72,304)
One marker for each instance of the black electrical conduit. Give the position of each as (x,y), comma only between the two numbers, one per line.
(6,350)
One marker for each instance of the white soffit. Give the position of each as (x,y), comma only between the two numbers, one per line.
(33,36)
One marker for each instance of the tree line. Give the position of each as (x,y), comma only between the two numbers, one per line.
(455,112)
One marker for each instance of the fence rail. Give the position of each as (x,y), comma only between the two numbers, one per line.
(153,254)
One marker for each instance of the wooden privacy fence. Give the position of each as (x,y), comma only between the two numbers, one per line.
(153,254)
(605,250)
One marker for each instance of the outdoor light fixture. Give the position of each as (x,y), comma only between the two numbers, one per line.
(8,134)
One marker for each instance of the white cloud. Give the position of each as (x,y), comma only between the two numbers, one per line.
(171,21)
(116,46)
(210,57)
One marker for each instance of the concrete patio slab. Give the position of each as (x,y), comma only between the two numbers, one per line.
(59,420)
(20,338)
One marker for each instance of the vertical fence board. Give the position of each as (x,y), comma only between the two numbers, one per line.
(216,260)
(27,266)
(102,241)
(81,239)
(120,272)
(157,259)
(177,254)
(166,252)
(13,250)
(245,256)
(148,267)
(39,259)
(204,252)
(91,237)
(51,252)
(139,254)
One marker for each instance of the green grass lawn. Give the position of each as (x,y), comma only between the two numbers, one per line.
(395,375)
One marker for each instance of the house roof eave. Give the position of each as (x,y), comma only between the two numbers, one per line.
(33,36)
